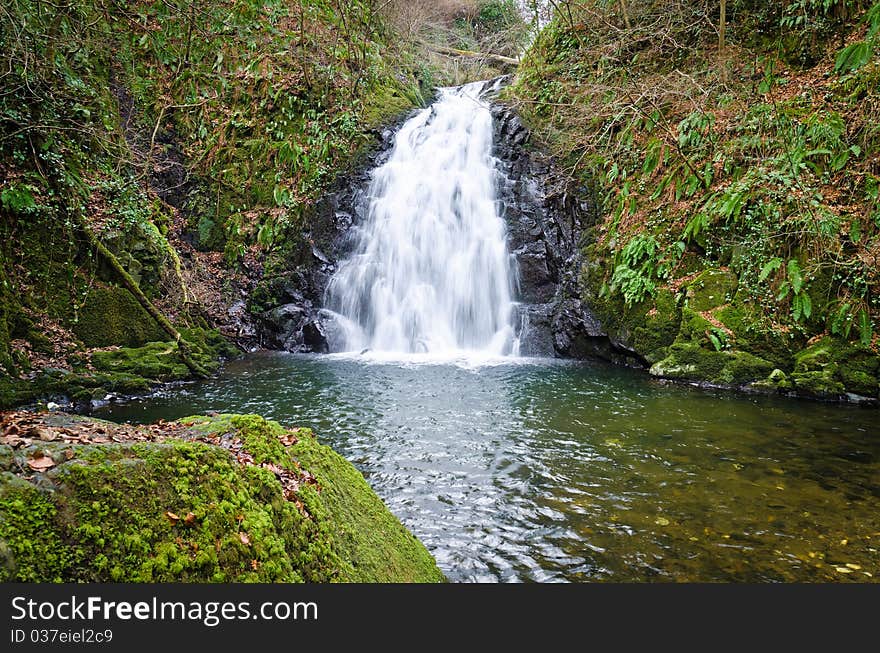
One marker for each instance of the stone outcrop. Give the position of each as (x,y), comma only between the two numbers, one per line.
(546,221)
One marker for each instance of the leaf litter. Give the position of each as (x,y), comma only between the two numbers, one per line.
(23,429)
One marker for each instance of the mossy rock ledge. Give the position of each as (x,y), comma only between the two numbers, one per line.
(225,498)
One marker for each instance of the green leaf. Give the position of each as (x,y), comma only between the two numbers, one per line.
(866,329)
(840,160)
(806,305)
(266,234)
(695,225)
(855,231)
(841,322)
(771,266)
(784,289)
(853,57)
(280,195)
(17,199)
(794,276)
(652,156)
(661,187)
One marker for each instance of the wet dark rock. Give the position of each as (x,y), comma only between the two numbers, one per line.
(289,304)
(314,335)
(546,220)
(294,328)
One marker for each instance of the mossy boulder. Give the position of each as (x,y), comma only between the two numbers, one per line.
(831,367)
(390,99)
(156,360)
(647,327)
(112,316)
(161,361)
(711,289)
(125,371)
(752,332)
(142,250)
(187,510)
(693,328)
(776,381)
(688,361)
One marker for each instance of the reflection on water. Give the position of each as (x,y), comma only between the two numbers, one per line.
(550,471)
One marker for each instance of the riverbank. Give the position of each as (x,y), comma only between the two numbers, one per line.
(221,498)
(736,186)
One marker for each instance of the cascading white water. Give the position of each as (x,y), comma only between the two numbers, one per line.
(430,272)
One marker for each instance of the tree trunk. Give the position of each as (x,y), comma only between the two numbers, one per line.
(487,56)
(625,13)
(722,33)
(132,286)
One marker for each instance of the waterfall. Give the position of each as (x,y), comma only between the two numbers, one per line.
(430,270)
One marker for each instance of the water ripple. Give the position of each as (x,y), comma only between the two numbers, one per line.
(544,472)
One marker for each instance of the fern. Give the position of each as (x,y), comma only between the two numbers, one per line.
(771,266)
(866,329)
(695,225)
(18,199)
(795,276)
(841,320)
(636,269)
(857,54)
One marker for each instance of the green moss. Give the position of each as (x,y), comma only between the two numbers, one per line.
(378,546)
(112,316)
(126,371)
(647,327)
(753,334)
(161,360)
(777,381)
(694,327)
(260,436)
(362,530)
(121,513)
(31,550)
(108,521)
(689,361)
(830,367)
(819,383)
(388,102)
(210,235)
(711,289)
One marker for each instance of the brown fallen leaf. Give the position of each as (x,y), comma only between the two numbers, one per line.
(68,454)
(255,565)
(245,539)
(174,518)
(11,440)
(190,519)
(41,464)
(46,435)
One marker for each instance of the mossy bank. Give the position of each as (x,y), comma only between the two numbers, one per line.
(227,498)
(160,158)
(736,181)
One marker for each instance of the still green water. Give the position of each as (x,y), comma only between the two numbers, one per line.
(552,471)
